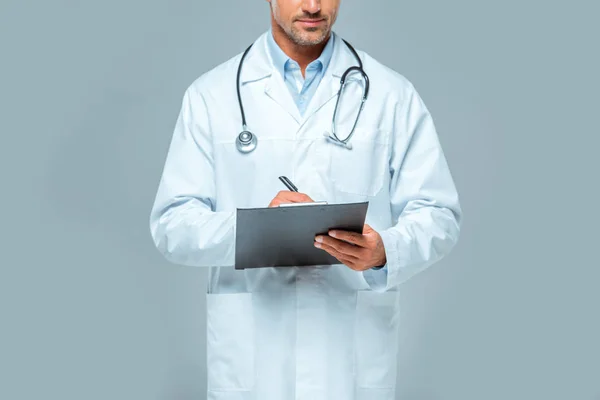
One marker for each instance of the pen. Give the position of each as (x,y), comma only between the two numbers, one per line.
(288,183)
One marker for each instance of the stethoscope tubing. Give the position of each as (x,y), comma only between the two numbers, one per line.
(247,141)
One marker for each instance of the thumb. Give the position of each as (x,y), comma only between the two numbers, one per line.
(367,229)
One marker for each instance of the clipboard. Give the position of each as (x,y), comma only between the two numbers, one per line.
(284,236)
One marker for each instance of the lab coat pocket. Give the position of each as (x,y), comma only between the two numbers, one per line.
(230,342)
(359,170)
(376,328)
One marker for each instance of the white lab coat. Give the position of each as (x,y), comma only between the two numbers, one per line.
(317,333)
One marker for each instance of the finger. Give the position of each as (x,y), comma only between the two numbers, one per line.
(283,199)
(306,198)
(351,262)
(343,258)
(338,253)
(275,202)
(293,197)
(301,197)
(350,237)
(341,246)
(285,195)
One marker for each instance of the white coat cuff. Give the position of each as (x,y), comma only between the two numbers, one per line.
(378,279)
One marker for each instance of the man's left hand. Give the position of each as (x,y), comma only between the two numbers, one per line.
(358,251)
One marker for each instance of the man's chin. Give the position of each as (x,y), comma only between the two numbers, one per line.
(310,37)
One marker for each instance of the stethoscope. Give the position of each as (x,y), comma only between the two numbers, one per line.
(247,141)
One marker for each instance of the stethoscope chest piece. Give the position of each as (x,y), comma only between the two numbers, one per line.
(246,142)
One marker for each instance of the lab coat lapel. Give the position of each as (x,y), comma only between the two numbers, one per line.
(341,59)
(277,90)
(258,66)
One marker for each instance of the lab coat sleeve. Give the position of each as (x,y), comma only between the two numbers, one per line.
(424,201)
(183,224)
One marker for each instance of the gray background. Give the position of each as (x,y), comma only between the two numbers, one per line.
(88,99)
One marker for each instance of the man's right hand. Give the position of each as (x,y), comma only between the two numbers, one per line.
(286,196)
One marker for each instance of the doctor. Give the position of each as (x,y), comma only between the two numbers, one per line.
(305,333)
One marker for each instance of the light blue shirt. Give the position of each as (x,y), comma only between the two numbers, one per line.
(301,88)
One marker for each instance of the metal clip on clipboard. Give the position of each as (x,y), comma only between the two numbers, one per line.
(314,203)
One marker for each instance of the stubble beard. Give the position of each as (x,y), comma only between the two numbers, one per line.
(300,37)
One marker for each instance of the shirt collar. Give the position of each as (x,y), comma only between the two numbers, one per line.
(280,59)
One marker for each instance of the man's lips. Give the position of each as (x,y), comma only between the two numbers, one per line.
(310,22)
